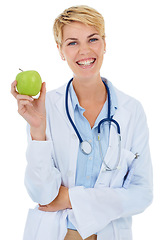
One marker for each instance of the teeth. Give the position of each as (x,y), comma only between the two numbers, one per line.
(86,62)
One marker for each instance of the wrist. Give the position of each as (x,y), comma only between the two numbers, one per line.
(38,134)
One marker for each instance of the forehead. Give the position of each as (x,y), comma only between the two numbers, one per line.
(77,30)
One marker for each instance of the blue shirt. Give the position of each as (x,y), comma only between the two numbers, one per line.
(88,166)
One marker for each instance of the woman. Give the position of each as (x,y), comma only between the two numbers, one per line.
(87,185)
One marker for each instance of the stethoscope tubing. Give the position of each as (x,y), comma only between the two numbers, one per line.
(109,119)
(68,114)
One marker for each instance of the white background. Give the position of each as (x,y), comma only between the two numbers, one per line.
(132,64)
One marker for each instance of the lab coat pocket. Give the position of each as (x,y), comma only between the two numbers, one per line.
(123,175)
(45,225)
(119,177)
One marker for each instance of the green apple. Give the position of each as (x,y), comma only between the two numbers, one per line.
(28,83)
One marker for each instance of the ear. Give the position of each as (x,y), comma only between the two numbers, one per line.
(60,52)
(104,46)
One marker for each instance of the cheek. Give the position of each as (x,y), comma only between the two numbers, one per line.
(70,53)
(98,49)
(70,58)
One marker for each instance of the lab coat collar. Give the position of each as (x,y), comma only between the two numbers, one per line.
(114,102)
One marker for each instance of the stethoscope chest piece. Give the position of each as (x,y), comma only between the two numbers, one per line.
(86,147)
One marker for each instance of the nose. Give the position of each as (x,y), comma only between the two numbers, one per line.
(84,49)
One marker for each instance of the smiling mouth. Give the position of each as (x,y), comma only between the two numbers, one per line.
(86,62)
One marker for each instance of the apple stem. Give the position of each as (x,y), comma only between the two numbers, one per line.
(21,70)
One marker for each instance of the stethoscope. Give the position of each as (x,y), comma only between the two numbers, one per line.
(85,146)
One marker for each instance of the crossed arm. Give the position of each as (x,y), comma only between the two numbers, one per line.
(61,202)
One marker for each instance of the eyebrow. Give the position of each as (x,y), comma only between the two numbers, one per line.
(73,39)
(92,35)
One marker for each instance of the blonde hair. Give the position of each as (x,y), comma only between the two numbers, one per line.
(83,14)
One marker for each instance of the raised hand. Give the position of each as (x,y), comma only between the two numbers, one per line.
(33,111)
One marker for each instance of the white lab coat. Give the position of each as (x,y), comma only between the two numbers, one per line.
(107,208)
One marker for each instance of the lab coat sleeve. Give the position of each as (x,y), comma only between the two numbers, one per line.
(42,178)
(94,208)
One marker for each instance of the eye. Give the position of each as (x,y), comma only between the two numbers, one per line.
(72,44)
(93,39)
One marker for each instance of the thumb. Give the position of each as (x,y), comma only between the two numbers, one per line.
(43,91)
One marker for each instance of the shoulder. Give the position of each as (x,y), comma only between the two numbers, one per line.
(54,95)
(123,100)
(129,103)
(131,108)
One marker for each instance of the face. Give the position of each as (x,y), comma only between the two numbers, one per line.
(83,49)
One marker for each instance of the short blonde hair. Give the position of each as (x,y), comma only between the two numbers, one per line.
(83,14)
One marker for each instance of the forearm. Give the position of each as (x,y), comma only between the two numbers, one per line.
(42,178)
(93,209)
(61,202)
(38,133)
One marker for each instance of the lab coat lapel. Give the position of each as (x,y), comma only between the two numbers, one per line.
(60,105)
(74,141)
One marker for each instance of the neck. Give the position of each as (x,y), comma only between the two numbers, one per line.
(90,90)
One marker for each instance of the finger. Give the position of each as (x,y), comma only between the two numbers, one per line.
(43,208)
(42,205)
(47,209)
(24,97)
(13,89)
(43,91)
(22,104)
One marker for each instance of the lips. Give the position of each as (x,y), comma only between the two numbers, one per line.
(86,62)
